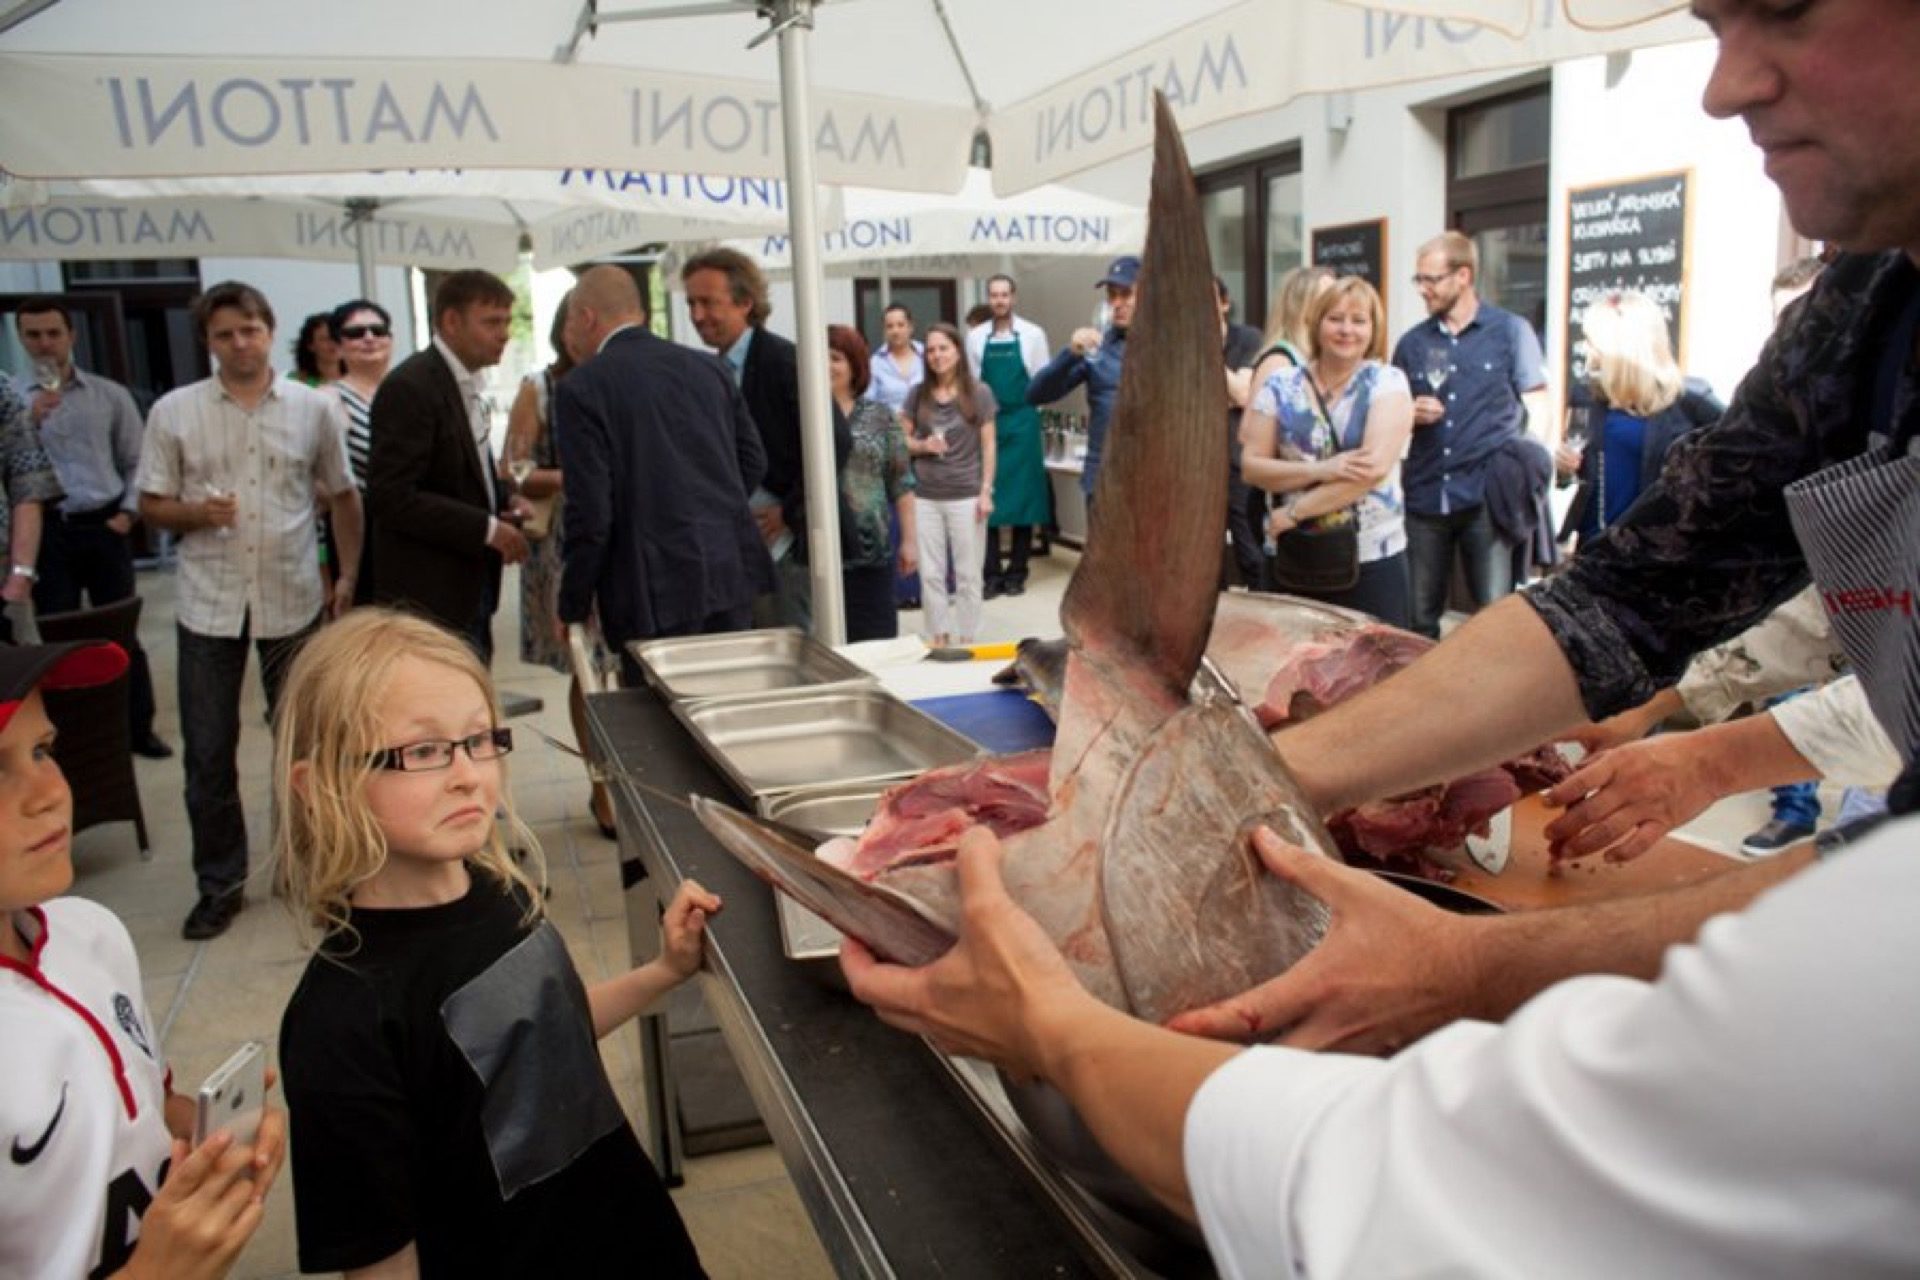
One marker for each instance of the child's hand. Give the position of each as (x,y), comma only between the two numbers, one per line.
(685,927)
(207,1209)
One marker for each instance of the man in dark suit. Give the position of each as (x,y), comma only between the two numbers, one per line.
(727,301)
(441,523)
(659,455)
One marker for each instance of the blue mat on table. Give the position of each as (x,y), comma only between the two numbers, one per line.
(1002,721)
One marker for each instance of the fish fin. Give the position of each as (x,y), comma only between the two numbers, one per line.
(883,920)
(1161,497)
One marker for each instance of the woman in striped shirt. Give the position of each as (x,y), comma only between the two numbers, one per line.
(364,332)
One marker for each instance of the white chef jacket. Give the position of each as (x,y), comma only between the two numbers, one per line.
(1754,1112)
(1033,345)
(1835,729)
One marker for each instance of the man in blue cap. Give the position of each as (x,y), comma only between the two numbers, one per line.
(1094,358)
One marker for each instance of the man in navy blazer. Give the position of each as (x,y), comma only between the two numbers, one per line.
(659,455)
(727,302)
(433,499)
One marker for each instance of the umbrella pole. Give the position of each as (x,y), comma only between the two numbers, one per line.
(793,20)
(360,213)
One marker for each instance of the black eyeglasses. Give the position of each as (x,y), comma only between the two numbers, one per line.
(437,753)
(365,331)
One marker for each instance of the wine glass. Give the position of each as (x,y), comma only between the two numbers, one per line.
(46,374)
(520,467)
(215,487)
(1439,367)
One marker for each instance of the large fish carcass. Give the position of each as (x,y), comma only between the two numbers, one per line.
(1129,842)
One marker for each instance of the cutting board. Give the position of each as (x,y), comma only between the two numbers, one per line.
(1530,882)
(1003,720)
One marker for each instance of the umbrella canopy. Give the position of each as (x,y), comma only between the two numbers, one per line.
(899,86)
(971,233)
(434,218)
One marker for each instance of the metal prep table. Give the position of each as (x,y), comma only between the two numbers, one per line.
(905,1164)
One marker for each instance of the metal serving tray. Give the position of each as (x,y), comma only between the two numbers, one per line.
(825,812)
(850,734)
(742,663)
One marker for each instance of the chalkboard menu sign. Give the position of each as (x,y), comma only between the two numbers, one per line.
(1355,249)
(1626,235)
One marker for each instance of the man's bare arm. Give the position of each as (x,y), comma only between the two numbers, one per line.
(1497,687)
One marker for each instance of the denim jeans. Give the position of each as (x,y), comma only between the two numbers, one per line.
(212,670)
(1432,543)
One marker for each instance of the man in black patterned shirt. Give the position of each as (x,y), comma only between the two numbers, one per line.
(1826,89)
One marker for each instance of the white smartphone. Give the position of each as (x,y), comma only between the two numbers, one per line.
(233,1097)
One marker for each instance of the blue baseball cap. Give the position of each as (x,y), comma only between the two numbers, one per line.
(1123,271)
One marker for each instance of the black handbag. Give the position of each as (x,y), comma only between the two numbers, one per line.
(1322,555)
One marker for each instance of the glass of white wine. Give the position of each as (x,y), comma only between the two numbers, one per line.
(1439,367)
(46,374)
(520,467)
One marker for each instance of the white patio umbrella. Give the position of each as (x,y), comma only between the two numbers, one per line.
(971,233)
(430,218)
(883,93)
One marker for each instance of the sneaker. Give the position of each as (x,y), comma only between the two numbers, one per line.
(211,916)
(152,747)
(1775,836)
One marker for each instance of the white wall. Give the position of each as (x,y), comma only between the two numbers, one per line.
(1648,120)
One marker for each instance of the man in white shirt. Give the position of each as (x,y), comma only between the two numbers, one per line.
(230,464)
(1751,1112)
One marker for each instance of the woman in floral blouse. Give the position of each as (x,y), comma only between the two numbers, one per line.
(1328,436)
(877,475)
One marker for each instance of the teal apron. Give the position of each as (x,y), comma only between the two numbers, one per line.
(1020,496)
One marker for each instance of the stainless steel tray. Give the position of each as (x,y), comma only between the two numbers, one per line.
(851,734)
(841,810)
(742,664)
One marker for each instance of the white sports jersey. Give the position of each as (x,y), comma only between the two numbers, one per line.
(82,1096)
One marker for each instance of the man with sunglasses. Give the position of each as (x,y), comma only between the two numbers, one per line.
(1481,374)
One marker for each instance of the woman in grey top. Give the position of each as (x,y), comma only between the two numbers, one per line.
(949,424)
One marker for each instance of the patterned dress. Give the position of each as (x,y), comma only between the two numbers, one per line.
(24,467)
(540,572)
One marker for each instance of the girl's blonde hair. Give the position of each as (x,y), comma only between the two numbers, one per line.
(1287,317)
(327,843)
(1333,295)
(1629,357)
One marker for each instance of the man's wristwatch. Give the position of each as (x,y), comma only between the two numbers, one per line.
(26,571)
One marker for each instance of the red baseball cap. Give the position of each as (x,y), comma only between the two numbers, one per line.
(80,664)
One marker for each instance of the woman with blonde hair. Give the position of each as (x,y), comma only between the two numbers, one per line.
(451,1112)
(1634,405)
(1284,346)
(1327,436)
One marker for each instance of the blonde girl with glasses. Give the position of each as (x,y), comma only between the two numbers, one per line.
(451,1112)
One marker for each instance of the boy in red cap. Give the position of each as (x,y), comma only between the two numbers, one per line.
(86,1108)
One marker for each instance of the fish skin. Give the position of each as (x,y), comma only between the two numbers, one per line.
(1131,863)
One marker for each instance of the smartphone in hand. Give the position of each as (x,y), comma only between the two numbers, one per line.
(233,1097)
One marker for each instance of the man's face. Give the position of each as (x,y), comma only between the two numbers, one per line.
(1000,299)
(1120,300)
(478,333)
(1440,283)
(36,813)
(46,336)
(241,343)
(1826,91)
(717,318)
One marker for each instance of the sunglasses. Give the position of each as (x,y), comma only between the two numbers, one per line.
(351,331)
